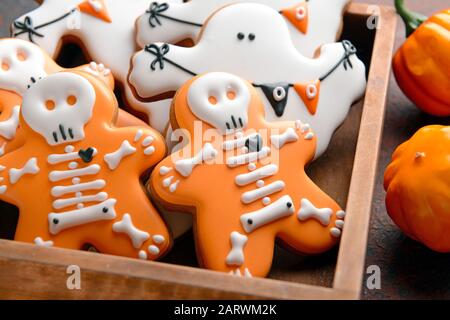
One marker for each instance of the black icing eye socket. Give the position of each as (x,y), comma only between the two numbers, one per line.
(251,36)
(240,36)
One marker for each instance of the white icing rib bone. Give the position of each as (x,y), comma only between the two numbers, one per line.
(278,141)
(59,191)
(62,221)
(281,208)
(63,203)
(251,196)
(186,166)
(126,226)
(236,255)
(309,211)
(248,157)
(62,175)
(261,173)
(30,167)
(113,159)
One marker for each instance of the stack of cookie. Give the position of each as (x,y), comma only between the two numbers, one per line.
(239,97)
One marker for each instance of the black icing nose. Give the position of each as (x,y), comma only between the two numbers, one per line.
(254,143)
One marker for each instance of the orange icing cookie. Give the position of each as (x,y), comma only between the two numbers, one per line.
(24,63)
(85,170)
(243,178)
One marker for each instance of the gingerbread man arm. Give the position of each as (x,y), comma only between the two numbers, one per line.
(139,147)
(175,177)
(12,175)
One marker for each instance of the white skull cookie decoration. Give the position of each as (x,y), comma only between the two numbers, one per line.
(21,64)
(57,116)
(225,107)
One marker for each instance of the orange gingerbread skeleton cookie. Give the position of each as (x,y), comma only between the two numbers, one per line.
(22,64)
(84,172)
(246,184)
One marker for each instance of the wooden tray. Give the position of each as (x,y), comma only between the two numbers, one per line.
(347,172)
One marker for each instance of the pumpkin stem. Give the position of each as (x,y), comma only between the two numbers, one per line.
(412,19)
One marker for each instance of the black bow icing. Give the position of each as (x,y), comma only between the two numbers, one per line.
(27,26)
(159,53)
(155,11)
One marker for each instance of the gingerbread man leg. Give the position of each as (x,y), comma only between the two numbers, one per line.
(226,247)
(316,225)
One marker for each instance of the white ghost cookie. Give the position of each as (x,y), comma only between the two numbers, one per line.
(105,29)
(253,42)
(311,23)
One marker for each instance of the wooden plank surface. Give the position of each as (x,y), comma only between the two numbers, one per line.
(41,273)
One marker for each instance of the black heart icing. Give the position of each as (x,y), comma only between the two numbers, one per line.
(254,143)
(86,155)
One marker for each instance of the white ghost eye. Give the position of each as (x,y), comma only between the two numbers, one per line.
(301,13)
(279,94)
(311,91)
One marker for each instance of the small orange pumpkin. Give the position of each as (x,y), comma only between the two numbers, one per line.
(422,65)
(418,187)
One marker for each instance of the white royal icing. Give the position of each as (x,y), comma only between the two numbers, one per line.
(224,114)
(19,72)
(41,243)
(248,157)
(251,196)
(309,211)
(324,21)
(59,191)
(31,167)
(63,203)
(138,237)
(62,221)
(281,208)
(55,176)
(236,255)
(255,175)
(65,123)
(186,166)
(113,159)
(278,141)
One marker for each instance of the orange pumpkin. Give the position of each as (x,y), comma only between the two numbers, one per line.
(422,65)
(418,187)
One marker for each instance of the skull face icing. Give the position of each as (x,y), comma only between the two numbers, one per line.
(59,115)
(223,103)
(22,63)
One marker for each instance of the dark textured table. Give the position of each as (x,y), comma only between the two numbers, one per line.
(408,269)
